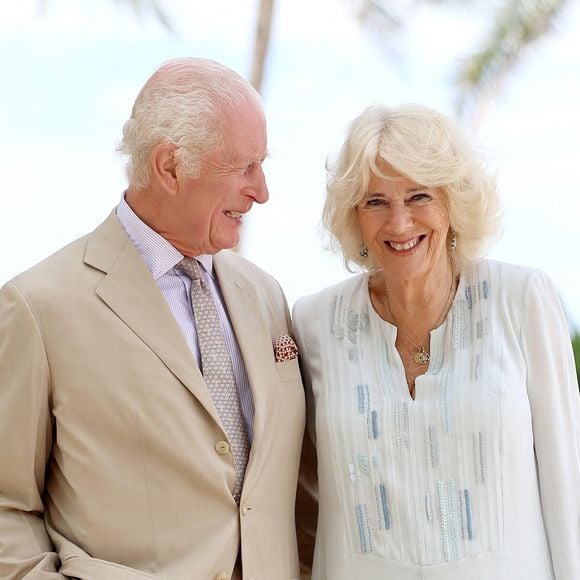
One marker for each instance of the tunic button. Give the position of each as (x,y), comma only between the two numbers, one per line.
(223,448)
(222,576)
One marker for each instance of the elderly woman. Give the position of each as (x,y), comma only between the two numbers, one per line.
(444,398)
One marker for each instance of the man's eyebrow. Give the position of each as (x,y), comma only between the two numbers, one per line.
(239,160)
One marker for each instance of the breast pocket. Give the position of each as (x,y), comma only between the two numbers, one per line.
(288,370)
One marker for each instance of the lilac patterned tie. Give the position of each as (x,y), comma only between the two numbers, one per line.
(216,367)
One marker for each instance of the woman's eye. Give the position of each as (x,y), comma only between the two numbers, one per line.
(374,201)
(420,197)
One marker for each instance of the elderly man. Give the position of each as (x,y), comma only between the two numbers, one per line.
(151,407)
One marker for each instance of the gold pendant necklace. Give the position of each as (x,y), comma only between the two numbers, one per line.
(421,357)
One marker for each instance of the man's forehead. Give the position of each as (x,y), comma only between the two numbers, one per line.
(245,146)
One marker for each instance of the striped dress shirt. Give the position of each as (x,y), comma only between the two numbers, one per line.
(161,258)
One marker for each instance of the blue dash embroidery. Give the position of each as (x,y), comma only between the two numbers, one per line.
(468,513)
(363,528)
(363,463)
(449,519)
(444,403)
(476,460)
(482,457)
(362,391)
(469,296)
(387,383)
(398,422)
(429,507)
(336,328)
(352,325)
(485,285)
(462,332)
(375,425)
(461,515)
(456,329)
(433,447)
(364,320)
(386,518)
(401,411)
(475,367)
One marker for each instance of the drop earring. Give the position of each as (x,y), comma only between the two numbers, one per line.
(363,251)
(453,242)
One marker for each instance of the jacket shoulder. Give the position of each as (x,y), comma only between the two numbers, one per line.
(54,269)
(242,268)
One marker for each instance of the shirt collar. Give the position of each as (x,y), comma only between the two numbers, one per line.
(159,255)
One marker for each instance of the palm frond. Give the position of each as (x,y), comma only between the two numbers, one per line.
(519,25)
(376,16)
(375,12)
(576,349)
(141,7)
(447,2)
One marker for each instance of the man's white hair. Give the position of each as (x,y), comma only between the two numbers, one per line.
(182,103)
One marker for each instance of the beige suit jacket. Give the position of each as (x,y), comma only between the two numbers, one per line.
(108,460)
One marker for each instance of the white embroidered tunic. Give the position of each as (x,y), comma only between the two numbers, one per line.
(479,476)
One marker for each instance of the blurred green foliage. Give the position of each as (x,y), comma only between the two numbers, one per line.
(576,347)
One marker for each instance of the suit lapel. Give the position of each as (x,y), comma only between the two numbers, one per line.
(130,291)
(243,304)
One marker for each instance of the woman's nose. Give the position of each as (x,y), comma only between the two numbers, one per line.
(400,218)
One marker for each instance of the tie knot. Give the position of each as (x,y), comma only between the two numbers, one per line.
(191,268)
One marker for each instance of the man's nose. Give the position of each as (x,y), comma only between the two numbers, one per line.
(258,189)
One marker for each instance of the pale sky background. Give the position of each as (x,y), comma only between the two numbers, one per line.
(71,70)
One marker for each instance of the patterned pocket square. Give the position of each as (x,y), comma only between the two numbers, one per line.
(285,348)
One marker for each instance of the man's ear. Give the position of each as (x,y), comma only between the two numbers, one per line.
(164,167)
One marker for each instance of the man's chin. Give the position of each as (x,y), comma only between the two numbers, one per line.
(232,244)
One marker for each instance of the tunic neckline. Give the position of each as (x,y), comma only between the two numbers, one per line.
(437,340)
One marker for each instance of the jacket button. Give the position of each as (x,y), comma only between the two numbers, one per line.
(222,576)
(223,448)
(245,508)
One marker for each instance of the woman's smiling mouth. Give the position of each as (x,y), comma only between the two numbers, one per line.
(406,245)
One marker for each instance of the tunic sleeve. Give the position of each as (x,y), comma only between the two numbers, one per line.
(553,392)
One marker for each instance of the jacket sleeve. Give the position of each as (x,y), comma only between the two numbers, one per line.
(25,443)
(553,392)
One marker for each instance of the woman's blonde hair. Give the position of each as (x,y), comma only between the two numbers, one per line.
(426,147)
